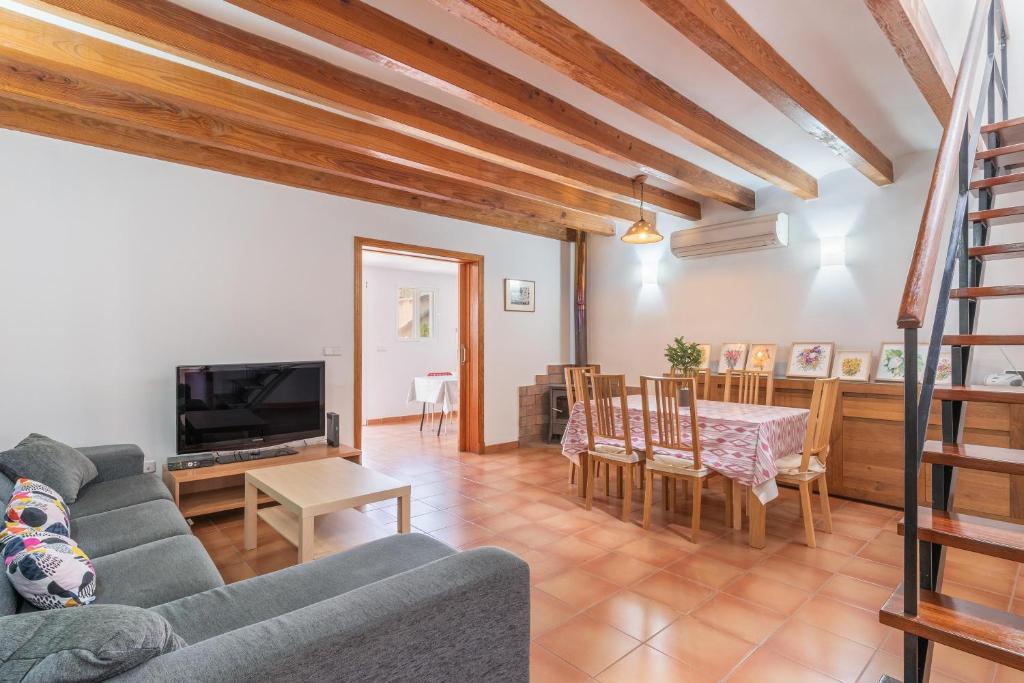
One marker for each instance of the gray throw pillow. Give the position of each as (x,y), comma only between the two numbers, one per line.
(91,643)
(57,465)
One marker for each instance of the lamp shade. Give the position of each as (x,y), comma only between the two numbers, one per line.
(642,232)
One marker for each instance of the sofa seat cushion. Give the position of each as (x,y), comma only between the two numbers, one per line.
(116,530)
(154,573)
(86,644)
(247,602)
(102,496)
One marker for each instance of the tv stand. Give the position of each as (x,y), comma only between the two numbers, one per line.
(206,490)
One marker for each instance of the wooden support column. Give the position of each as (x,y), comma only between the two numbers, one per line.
(580,316)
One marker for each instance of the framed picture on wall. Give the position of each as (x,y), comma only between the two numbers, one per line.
(705,356)
(810,359)
(891,362)
(852,366)
(520,295)
(733,356)
(761,357)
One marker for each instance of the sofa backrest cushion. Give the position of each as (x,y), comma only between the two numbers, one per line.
(91,643)
(58,465)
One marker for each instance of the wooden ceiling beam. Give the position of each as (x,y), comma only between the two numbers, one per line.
(539,31)
(716,28)
(909,27)
(37,85)
(364,30)
(125,86)
(19,116)
(171,28)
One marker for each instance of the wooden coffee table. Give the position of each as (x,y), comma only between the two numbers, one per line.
(308,490)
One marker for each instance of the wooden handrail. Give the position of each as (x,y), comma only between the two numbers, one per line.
(944,178)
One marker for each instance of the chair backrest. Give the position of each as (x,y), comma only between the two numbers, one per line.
(819,422)
(702,377)
(748,385)
(576,382)
(609,395)
(671,397)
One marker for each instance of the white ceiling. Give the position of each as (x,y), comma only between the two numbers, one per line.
(380,259)
(835,44)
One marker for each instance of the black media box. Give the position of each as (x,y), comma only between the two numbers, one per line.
(190,462)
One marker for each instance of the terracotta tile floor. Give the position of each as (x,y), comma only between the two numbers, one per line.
(611,602)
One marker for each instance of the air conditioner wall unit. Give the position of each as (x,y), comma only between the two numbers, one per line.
(770,231)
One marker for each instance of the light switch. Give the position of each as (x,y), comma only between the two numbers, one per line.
(332,350)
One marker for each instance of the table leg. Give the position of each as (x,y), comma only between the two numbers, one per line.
(423,414)
(404,512)
(306,533)
(249,523)
(737,504)
(727,490)
(756,511)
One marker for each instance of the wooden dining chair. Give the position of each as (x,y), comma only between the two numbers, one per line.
(608,395)
(575,389)
(748,385)
(808,466)
(668,454)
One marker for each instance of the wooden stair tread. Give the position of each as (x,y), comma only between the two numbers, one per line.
(1010,182)
(983,340)
(960,624)
(1011,131)
(993,394)
(986,292)
(1003,216)
(992,252)
(967,532)
(975,457)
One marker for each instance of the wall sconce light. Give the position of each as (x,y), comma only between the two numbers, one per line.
(833,250)
(649,273)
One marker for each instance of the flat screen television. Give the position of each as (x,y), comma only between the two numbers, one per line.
(232,407)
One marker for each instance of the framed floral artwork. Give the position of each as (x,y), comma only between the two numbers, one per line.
(705,356)
(732,357)
(891,363)
(852,366)
(761,357)
(944,370)
(810,359)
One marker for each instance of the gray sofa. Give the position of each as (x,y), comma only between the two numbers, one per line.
(404,608)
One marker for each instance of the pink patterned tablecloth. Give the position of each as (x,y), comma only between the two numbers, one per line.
(738,440)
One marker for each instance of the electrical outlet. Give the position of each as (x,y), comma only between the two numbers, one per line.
(149,466)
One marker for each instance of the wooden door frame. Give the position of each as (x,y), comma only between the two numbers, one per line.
(471,336)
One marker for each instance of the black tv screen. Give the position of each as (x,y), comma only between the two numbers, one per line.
(230,407)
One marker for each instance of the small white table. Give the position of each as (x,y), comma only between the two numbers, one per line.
(436,389)
(314,489)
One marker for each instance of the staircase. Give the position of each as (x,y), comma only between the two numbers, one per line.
(982,162)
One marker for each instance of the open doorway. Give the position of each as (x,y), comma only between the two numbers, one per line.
(418,330)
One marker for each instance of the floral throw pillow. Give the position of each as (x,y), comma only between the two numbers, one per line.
(35,507)
(49,571)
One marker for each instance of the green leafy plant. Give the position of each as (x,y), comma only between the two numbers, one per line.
(682,356)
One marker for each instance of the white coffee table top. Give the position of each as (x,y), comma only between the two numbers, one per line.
(317,487)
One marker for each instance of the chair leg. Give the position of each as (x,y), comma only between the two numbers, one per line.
(607,482)
(664,492)
(648,496)
(826,509)
(626,472)
(805,507)
(619,471)
(590,481)
(698,488)
(671,494)
(582,474)
(572,473)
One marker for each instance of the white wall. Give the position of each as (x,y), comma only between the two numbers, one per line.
(114,269)
(390,363)
(783,295)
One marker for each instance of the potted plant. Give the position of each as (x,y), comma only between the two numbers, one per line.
(684,358)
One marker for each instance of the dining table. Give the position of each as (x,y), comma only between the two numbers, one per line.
(740,441)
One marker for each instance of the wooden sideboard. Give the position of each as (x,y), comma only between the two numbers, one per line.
(866,462)
(205,490)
